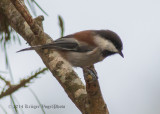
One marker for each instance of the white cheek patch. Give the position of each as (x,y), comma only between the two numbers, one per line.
(105,44)
(110,46)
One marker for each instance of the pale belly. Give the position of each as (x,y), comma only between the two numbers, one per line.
(83,59)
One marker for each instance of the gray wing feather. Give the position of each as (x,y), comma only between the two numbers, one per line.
(68,44)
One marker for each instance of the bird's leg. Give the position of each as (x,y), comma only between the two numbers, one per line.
(91,73)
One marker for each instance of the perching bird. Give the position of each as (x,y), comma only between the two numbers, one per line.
(85,48)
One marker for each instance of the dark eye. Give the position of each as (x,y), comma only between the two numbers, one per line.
(106,53)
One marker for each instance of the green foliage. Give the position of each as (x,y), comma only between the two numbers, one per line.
(14,105)
(23,83)
(7,34)
(61,25)
(33,1)
(36,97)
(31,6)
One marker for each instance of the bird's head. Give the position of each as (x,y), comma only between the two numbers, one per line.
(109,42)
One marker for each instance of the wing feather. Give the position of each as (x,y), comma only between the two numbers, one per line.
(66,44)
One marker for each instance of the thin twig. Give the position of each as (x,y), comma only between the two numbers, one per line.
(6,81)
(23,83)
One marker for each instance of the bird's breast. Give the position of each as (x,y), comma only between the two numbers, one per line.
(82,59)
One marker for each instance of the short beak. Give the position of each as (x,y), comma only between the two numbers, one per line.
(121,54)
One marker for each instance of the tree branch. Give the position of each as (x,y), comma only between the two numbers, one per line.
(61,69)
(23,82)
(20,6)
(88,102)
(95,98)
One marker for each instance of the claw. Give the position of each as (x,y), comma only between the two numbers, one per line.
(93,75)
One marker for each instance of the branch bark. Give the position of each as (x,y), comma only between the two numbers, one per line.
(60,69)
(21,20)
(95,98)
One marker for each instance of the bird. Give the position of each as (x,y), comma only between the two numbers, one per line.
(85,48)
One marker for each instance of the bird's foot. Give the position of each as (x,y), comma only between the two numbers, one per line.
(91,76)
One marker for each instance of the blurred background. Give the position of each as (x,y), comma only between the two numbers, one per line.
(129,86)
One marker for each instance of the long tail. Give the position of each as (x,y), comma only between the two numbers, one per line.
(31,48)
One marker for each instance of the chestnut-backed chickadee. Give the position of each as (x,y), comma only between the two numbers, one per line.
(85,48)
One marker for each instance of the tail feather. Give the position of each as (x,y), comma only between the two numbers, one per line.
(59,46)
(31,48)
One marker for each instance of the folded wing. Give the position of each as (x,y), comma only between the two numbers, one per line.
(66,44)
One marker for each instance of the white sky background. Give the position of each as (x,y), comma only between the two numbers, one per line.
(129,86)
